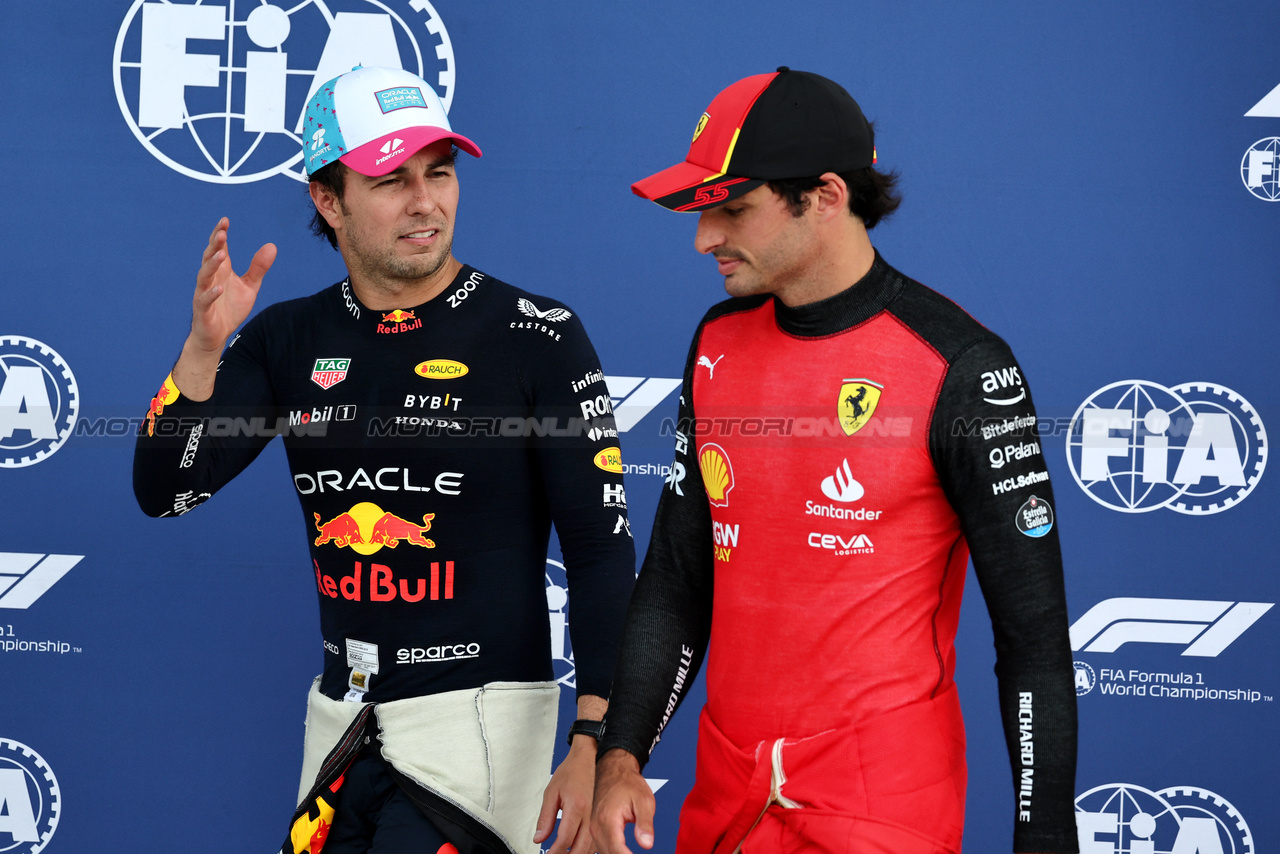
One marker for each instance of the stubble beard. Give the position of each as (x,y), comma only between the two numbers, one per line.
(392,273)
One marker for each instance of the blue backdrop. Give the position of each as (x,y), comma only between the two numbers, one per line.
(1096,182)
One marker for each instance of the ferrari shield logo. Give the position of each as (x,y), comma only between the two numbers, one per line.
(857,402)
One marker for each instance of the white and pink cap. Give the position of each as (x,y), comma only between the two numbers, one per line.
(373,119)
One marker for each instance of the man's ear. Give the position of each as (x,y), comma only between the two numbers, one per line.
(327,203)
(831,198)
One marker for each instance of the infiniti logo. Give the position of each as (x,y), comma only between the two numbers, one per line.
(841,486)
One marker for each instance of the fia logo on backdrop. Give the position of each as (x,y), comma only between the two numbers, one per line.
(1260,166)
(1121,818)
(218,92)
(30,799)
(39,400)
(1195,448)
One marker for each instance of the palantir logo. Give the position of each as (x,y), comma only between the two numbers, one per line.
(231,112)
(29,799)
(1195,448)
(1121,818)
(1204,627)
(24,578)
(38,401)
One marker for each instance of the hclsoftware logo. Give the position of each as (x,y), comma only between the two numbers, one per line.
(39,400)
(1196,448)
(1121,818)
(217,92)
(30,802)
(24,578)
(1204,627)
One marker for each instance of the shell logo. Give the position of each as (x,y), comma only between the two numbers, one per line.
(717,473)
(441,369)
(610,459)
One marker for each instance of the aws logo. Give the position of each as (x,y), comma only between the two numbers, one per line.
(717,473)
(441,369)
(1006,382)
(366,528)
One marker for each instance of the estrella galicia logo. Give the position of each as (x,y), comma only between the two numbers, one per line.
(1195,448)
(230,111)
(1118,818)
(38,401)
(558,608)
(1034,517)
(30,798)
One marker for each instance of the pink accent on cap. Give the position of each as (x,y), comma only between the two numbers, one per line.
(370,159)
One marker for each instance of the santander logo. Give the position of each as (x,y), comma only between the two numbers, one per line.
(841,486)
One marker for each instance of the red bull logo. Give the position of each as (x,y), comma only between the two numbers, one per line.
(167,394)
(381,584)
(398,321)
(366,528)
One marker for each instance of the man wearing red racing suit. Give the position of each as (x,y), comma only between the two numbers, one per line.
(847,437)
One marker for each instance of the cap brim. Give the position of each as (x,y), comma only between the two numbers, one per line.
(689,187)
(386,153)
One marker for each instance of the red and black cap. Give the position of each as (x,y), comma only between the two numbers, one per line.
(767,127)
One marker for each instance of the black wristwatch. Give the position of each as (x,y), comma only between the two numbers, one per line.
(582,726)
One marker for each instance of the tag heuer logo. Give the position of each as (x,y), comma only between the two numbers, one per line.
(330,372)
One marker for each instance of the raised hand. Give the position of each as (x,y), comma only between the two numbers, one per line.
(222,302)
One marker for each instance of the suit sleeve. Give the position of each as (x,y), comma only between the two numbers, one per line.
(582,473)
(991,463)
(668,621)
(187,450)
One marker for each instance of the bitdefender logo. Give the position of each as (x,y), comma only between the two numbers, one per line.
(218,93)
(1195,448)
(39,400)
(30,801)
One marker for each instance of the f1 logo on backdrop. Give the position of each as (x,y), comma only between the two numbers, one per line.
(39,400)
(1195,448)
(24,578)
(30,802)
(1204,627)
(1121,818)
(635,397)
(1260,168)
(217,92)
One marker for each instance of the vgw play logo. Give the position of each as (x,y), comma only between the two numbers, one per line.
(29,799)
(1196,448)
(217,92)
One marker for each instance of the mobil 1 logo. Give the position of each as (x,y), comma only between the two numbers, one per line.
(1196,448)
